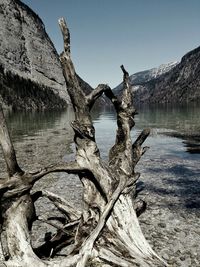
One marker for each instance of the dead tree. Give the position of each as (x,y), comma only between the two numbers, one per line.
(106,232)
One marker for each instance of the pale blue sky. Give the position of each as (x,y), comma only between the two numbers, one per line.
(140,34)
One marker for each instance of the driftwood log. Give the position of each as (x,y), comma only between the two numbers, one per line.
(106,232)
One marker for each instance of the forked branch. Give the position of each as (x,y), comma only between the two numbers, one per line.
(68,167)
(138,150)
(95,94)
(63,205)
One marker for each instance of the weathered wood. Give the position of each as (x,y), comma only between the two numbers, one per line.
(107,228)
(63,205)
(7,147)
(68,167)
(121,168)
(95,94)
(138,150)
(88,244)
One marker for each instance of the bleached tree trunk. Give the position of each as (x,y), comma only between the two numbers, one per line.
(106,232)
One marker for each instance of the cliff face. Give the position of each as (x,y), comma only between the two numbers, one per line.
(26,50)
(179,85)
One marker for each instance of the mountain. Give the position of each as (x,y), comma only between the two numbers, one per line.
(179,85)
(142,77)
(28,59)
(172,83)
(17,93)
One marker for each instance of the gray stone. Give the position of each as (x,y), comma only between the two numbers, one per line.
(26,49)
(162,225)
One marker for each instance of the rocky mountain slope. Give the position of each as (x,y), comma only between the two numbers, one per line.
(142,77)
(27,52)
(172,83)
(179,85)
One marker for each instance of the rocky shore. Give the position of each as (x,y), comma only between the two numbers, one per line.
(171,221)
(169,185)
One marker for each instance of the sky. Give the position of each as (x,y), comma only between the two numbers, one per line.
(141,34)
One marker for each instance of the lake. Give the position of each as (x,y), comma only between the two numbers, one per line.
(160,120)
(170,175)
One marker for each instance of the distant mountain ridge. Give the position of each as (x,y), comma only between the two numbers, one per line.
(142,77)
(172,83)
(181,84)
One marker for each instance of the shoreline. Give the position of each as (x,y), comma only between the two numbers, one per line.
(170,188)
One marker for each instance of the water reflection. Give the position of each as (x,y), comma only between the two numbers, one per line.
(23,124)
(179,118)
(181,122)
(163,121)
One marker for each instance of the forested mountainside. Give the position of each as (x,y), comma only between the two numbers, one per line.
(18,93)
(28,55)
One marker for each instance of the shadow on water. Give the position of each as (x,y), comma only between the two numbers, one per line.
(193,148)
(182,122)
(188,187)
(191,140)
(178,182)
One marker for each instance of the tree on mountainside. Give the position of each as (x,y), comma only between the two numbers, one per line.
(106,231)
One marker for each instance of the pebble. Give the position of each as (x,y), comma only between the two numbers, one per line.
(169,223)
(162,225)
(174,230)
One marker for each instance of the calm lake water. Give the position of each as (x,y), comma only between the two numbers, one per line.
(160,120)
